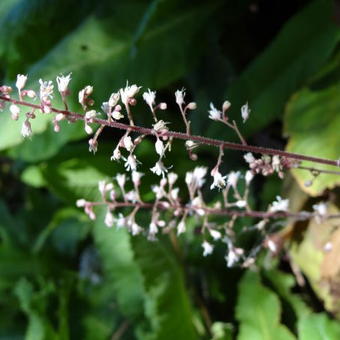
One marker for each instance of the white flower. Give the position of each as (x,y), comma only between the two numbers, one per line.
(198,205)
(128,92)
(163,106)
(116,155)
(214,114)
(219,180)
(276,163)
(131,163)
(109,219)
(249,177)
(279,205)
(320,209)
(105,107)
(172,178)
(132,196)
(215,234)
(195,179)
(249,158)
(88,129)
(46,90)
(207,248)
(233,256)
(21,81)
(30,94)
(116,114)
(15,110)
(135,229)
(159,169)
(63,82)
(150,97)
(174,193)
(114,98)
(241,204)
(26,129)
(160,126)
(245,112)
(159,146)
(180,94)
(153,229)
(84,93)
(233,178)
(81,203)
(199,174)
(190,145)
(158,191)
(181,227)
(59,117)
(102,187)
(89,115)
(226,105)
(192,106)
(127,142)
(121,179)
(136,176)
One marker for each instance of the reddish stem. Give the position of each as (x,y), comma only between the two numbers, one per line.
(184,136)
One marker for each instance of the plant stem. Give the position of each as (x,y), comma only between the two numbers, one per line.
(304,215)
(184,136)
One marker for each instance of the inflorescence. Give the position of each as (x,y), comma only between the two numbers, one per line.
(169,211)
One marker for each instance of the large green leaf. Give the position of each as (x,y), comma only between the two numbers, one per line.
(120,268)
(26,29)
(312,124)
(258,311)
(287,63)
(318,327)
(167,303)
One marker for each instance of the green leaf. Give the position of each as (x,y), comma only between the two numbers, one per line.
(167,300)
(312,124)
(258,311)
(283,284)
(290,60)
(318,327)
(36,328)
(32,176)
(120,268)
(26,29)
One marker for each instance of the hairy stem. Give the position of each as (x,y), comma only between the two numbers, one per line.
(184,136)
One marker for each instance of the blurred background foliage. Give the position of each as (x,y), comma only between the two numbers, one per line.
(64,277)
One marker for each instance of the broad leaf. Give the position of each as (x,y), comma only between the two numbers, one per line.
(318,327)
(258,311)
(167,303)
(312,124)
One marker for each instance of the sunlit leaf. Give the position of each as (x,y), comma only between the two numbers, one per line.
(258,311)
(312,123)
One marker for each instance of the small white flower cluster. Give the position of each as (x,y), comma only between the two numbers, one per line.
(268,165)
(167,198)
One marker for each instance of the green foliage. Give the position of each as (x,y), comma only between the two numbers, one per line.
(318,326)
(258,311)
(312,122)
